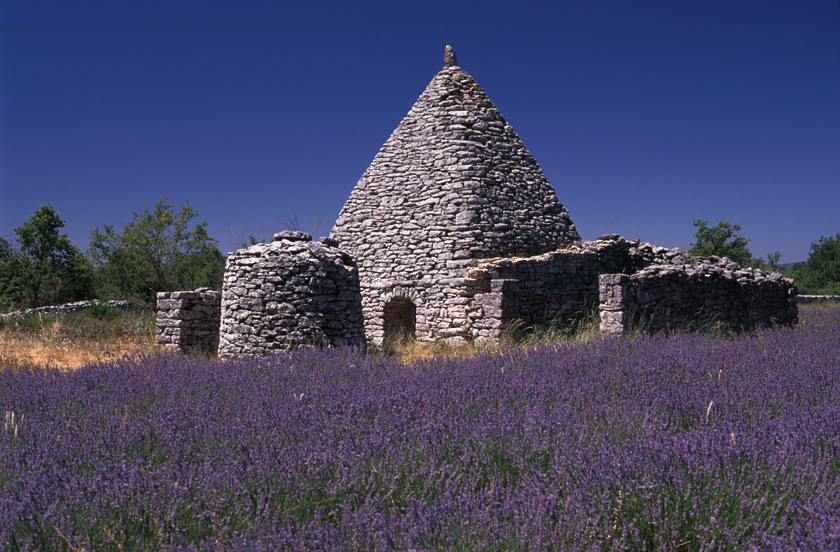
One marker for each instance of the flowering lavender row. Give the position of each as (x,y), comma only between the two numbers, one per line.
(686,443)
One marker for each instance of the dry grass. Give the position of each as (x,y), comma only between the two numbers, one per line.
(407,349)
(517,334)
(68,341)
(821,305)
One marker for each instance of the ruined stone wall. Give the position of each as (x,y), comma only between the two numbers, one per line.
(565,282)
(291,293)
(493,312)
(188,321)
(709,293)
(70,307)
(492,293)
(562,282)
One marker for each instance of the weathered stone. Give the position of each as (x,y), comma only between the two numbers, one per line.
(292,235)
(295,288)
(453,185)
(449,57)
(188,321)
(679,298)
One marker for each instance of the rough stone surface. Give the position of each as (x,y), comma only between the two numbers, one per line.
(565,282)
(188,321)
(452,185)
(291,293)
(705,293)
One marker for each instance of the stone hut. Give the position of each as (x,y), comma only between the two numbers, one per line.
(452,185)
(453,233)
(290,293)
(456,231)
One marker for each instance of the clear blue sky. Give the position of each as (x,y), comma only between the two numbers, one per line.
(644,115)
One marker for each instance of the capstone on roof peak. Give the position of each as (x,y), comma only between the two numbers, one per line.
(449,57)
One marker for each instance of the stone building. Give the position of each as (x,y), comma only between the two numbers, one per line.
(453,233)
(452,185)
(456,231)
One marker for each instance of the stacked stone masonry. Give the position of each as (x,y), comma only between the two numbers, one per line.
(564,283)
(707,293)
(452,185)
(454,233)
(290,293)
(188,321)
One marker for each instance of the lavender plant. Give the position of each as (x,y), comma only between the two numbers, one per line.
(688,442)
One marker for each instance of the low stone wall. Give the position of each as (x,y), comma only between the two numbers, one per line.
(188,321)
(71,307)
(711,292)
(806,299)
(291,293)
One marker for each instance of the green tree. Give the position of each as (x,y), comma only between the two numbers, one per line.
(820,274)
(7,266)
(156,251)
(773,260)
(722,240)
(203,269)
(47,269)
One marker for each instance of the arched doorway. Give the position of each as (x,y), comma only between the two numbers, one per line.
(400,318)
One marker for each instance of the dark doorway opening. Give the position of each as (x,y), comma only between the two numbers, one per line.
(400,318)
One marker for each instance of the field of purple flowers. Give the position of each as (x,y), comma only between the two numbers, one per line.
(689,442)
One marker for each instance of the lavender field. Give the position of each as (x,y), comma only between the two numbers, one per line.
(689,442)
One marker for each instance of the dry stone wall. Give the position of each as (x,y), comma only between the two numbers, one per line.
(708,292)
(188,321)
(493,312)
(452,185)
(291,293)
(71,307)
(453,232)
(565,282)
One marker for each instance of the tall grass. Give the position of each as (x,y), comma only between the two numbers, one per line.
(560,329)
(574,328)
(71,340)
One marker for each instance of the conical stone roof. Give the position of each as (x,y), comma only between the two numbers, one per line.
(452,184)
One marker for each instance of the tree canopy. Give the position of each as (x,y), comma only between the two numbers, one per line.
(722,240)
(820,274)
(156,251)
(46,268)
